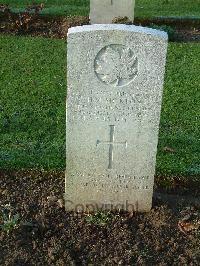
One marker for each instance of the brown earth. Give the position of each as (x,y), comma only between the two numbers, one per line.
(186,30)
(45,234)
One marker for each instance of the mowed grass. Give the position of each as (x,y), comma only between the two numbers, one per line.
(32,102)
(54,7)
(180,117)
(143,8)
(32,106)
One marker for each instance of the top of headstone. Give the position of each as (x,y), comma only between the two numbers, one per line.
(105,11)
(119,27)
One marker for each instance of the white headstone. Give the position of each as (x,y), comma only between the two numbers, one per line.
(115,83)
(104,11)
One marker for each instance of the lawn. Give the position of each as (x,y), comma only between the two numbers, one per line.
(144,8)
(32,106)
(32,102)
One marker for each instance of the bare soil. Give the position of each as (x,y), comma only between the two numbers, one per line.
(47,235)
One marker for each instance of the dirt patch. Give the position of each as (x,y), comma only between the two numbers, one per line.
(45,234)
(186,30)
(50,27)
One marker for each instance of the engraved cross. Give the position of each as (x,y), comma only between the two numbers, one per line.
(111,144)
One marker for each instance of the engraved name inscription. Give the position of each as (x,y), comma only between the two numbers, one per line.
(116,65)
(113,107)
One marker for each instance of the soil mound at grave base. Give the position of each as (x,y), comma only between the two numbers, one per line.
(45,234)
(178,22)
(185,29)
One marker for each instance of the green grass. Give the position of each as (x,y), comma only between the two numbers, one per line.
(156,8)
(54,7)
(32,102)
(144,8)
(180,119)
(32,106)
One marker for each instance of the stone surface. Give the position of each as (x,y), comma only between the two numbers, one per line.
(115,83)
(104,11)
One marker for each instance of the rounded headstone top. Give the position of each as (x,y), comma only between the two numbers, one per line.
(119,27)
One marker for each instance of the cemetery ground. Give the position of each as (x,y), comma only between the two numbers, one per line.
(43,233)
(33,91)
(35,229)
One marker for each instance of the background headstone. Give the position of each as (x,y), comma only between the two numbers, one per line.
(115,81)
(104,11)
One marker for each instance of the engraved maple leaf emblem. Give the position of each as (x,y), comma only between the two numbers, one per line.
(116,64)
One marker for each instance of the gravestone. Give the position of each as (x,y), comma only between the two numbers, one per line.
(104,11)
(115,82)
